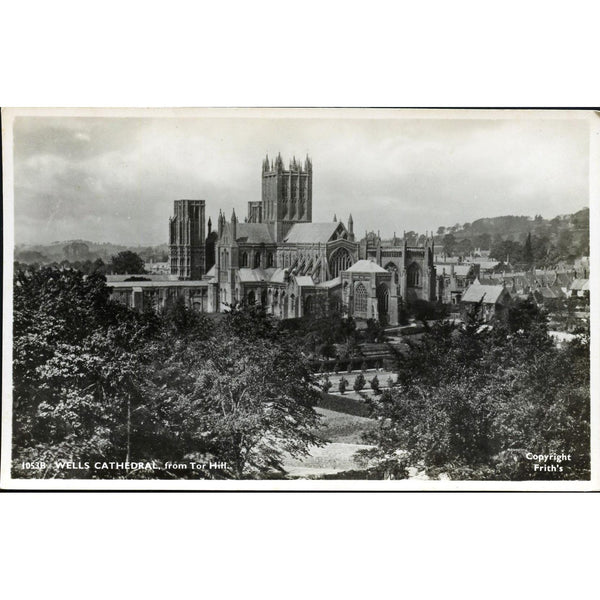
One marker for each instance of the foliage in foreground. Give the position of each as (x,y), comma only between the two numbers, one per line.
(96,381)
(471,402)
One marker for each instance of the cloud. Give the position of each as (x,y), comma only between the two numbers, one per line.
(115,179)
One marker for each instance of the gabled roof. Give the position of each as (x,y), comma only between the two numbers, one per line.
(304,280)
(254,233)
(331,283)
(487,264)
(366,266)
(580,284)
(252,275)
(489,293)
(278,276)
(550,293)
(311,233)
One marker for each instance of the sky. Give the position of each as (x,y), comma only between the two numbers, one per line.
(114,179)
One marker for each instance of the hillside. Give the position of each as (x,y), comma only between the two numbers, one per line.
(564,237)
(82,250)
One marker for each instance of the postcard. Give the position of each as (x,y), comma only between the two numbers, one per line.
(300,299)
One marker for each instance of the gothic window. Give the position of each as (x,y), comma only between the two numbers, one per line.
(244,261)
(251,297)
(383,300)
(257,260)
(360,298)
(269,259)
(263,298)
(340,260)
(414,275)
(308,305)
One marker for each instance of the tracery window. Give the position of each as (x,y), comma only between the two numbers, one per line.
(360,298)
(340,261)
(414,275)
(244,260)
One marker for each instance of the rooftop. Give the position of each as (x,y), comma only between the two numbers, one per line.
(310,233)
(488,294)
(366,266)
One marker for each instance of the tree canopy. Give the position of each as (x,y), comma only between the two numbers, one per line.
(472,401)
(96,380)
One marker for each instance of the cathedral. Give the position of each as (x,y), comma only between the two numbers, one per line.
(279,258)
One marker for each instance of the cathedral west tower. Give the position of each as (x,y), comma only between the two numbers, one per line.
(187,240)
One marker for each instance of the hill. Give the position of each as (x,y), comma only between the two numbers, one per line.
(82,250)
(565,237)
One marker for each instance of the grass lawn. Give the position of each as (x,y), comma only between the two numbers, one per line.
(343,432)
(343,428)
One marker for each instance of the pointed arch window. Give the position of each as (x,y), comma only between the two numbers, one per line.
(413,275)
(340,261)
(244,260)
(360,298)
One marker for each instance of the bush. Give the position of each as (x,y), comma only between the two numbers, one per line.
(343,385)
(326,385)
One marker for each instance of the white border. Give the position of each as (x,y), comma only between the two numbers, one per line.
(7,482)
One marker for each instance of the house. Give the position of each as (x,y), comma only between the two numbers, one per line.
(494,299)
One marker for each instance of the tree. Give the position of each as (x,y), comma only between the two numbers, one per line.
(441,230)
(343,385)
(76,368)
(471,402)
(127,263)
(95,380)
(528,251)
(375,385)
(359,382)
(449,244)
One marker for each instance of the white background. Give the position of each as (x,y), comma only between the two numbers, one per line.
(304,53)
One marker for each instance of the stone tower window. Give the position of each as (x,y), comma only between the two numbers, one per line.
(414,275)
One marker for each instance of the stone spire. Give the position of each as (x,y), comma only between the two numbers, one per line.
(234,225)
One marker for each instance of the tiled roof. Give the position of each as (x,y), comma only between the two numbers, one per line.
(550,292)
(310,233)
(487,264)
(366,266)
(331,283)
(157,284)
(150,276)
(580,284)
(254,233)
(278,276)
(490,293)
(253,275)
(304,280)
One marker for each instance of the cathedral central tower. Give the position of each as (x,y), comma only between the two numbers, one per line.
(286,196)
